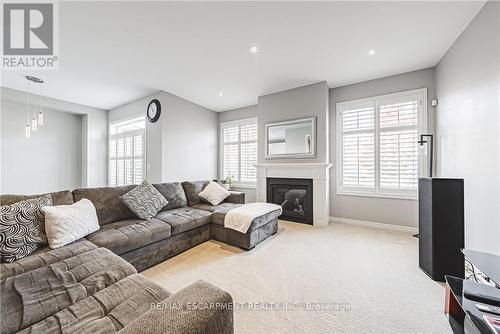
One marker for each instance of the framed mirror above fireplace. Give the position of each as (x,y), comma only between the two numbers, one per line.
(294,139)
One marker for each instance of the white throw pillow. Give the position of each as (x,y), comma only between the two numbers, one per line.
(214,193)
(67,223)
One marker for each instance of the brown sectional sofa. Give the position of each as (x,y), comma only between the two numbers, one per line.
(92,285)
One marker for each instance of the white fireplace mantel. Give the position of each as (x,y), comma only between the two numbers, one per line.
(318,172)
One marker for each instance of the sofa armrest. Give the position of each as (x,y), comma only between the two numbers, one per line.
(200,308)
(236,197)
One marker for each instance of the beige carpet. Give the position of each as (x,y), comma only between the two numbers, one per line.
(373,272)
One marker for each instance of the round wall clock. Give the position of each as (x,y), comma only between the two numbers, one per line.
(154,111)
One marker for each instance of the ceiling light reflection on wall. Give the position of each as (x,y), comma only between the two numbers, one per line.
(372,52)
(220,94)
(253,50)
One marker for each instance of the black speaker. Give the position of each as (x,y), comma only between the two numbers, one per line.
(441,227)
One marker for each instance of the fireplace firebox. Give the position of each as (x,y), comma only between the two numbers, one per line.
(295,197)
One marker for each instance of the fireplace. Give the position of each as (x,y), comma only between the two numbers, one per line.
(295,197)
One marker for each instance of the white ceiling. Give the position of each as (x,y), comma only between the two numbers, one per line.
(115,52)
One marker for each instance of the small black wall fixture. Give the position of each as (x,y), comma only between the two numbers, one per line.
(431,143)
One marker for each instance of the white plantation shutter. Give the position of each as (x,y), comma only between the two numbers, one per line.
(398,145)
(378,150)
(126,152)
(239,146)
(398,159)
(358,147)
(359,160)
(248,158)
(231,163)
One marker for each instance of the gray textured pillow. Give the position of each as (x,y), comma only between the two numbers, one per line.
(144,200)
(22,228)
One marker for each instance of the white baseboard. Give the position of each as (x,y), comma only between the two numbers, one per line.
(365,223)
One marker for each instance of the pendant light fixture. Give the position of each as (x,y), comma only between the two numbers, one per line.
(34,112)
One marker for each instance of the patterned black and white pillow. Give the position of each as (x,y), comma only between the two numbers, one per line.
(22,228)
(144,200)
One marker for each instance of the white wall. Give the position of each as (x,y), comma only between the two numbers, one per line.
(468,125)
(190,146)
(92,136)
(379,210)
(182,145)
(237,114)
(51,160)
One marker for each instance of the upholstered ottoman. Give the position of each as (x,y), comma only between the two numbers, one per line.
(260,229)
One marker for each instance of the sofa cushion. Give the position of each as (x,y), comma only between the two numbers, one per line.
(219,215)
(65,224)
(33,296)
(22,228)
(107,311)
(43,257)
(212,208)
(184,219)
(217,318)
(126,235)
(192,189)
(144,200)
(214,193)
(107,202)
(58,198)
(174,193)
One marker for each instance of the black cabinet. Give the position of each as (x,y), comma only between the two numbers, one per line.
(441,227)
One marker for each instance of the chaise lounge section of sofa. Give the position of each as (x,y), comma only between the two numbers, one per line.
(82,288)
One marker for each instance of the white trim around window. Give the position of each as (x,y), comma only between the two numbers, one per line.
(241,146)
(367,135)
(127,151)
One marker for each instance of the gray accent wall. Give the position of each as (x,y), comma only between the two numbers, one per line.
(301,102)
(468,124)
(379,210)
(69,151)
(182,145)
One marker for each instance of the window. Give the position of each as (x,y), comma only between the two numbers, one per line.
(239,151)
(377,150)
(126,152)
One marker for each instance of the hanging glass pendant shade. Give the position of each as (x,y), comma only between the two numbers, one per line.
(40,117)
(34,112)
(34,123)
(28,131)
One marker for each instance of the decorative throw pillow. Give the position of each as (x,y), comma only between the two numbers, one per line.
(214,193)
(144,200)
(67,223)
(22,228)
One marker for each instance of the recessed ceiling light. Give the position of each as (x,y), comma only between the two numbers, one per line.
(220,94)
(253,50)
(371,52)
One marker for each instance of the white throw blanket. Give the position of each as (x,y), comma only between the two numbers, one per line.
(240,218)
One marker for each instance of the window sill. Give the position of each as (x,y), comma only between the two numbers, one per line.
(407,197)
(244,186)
